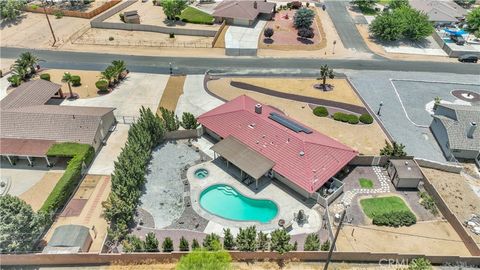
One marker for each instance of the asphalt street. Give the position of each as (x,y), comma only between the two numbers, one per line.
(198,65)
(345,26)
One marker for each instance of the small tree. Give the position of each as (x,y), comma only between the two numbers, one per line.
(11,9)
(228,240)
(326,72)
(189,121)
(473,22)
(262,241)
(398,3)
(325,246)
(295,246)
(183,246)
(312,242)
(211,242)
(15,80)
(393,150)
(167,245)
(170,119)
(365,4)
(151,242)
(303,18)
(268,32)
(280,241)
(204,260)
(387,27)
(173,8)
(132,243)
(246,239)
(195,244)
(67,77)
(20,226)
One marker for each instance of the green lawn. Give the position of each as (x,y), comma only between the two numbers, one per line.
(193,15)
(377,206)
(365,183)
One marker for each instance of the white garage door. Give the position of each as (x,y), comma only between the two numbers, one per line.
(241,22)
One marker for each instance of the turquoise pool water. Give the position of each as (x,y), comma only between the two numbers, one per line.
(201,173)
(226,202)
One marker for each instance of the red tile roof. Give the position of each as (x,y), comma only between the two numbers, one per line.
(308,160)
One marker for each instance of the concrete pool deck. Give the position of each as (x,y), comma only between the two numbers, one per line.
(287,204)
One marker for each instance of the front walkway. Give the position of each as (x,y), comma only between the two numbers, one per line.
(243,40)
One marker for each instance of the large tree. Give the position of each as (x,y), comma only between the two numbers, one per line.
(364,4)
(387,27)
(11,9)
(473,22)
(173,8)
(20,226)
(303,18)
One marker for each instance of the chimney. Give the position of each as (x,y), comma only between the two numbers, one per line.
(255,5)
(258,107)
(471,129)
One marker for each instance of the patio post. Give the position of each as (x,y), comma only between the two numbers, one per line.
(48,162)
(241,175)
(9,160)
(29,161)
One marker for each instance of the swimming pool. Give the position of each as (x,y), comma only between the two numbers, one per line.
(226,202)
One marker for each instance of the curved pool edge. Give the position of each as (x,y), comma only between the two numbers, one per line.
(235,220)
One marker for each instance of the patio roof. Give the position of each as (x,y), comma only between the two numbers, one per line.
(245,158)
(24,147)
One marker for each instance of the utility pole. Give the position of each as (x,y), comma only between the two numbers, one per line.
(335,240)
(50,25)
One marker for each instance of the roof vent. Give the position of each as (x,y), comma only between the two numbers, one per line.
(302,153)
(258,108)
(471,129)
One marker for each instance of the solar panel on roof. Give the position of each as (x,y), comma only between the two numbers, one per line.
(288,123)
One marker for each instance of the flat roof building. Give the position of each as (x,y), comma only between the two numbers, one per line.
(404,173)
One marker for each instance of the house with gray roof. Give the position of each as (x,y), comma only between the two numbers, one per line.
(30,122)
(440,11)
(243,12)
(455,129)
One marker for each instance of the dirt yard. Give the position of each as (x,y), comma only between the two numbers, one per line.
(32,30)
(64,5)
(88,79)
(37,194)
(91,212)
(172,92)
(457,193)
(367,139)
(432,238)
(153,15)
(97,36)
(285,35)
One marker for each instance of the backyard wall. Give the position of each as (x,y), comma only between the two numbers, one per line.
(452,219)
(438,166)
(451,52)
(312,256)
(72,13)
(369,161)
(184,134)
(99,23)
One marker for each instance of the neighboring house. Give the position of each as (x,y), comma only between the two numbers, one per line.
(404,173)
(69,239)
(455,129)
(440,11)
(261,141)
(29,125)
(243,12)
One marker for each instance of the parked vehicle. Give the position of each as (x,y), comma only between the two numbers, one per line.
(468,58)
(459,40)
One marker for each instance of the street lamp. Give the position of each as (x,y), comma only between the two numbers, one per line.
(333,50)
(380,108)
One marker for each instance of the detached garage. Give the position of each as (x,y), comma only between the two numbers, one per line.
(404,173)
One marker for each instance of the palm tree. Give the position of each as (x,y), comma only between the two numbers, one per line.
(67,77)
(19,69)
(109,74)
(326,72)
(120,67)
(28,60)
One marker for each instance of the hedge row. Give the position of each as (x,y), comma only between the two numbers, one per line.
(45,76)
(395,219)
(366,118)
(350,118)
(80,153)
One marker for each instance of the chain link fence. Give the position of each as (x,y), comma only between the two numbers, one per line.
(142,43)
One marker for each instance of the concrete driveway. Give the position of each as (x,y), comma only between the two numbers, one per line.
(242,40)
(345,26)
(137,90)
(194,98)
(4,84)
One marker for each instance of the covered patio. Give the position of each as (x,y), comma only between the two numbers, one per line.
(250,162)
(11,148)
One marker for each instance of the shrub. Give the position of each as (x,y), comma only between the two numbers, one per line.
(172,35)
(247,239)
(15,80)
(111,38)
(228,240)
(211,242)
(428,202)
(420,264)
(204,260)
(167,245)
(102,85)
(76,81)
(320,111)
(296,4)
(312,242)
(195,244)
(395,219)
(262,241)
(366,118)
(189,121)
(305,33)
(80,154)
(325,246)
(58,14)
(268,32)
(183,246)
(339,116)
(122,17)
(45,76)
(352,119)
(170,120)
(280,241)
(151,242)
(132,243)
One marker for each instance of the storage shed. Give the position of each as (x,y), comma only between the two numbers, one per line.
(69,239)
(404,173)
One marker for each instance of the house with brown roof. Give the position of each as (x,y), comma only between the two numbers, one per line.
(440,11)
(30,123)
(243,12)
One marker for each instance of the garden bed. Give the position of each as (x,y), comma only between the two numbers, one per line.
(86,11)
(87,87)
